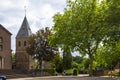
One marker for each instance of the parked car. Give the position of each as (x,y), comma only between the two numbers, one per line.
(2,77)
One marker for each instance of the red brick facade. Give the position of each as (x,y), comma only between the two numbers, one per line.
(23,59)
(5,48)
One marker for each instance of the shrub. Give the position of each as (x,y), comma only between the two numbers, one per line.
(69,72)
(75,72)
(51,71)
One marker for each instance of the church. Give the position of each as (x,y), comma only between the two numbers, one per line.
(23,60)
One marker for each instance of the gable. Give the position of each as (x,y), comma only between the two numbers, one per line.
(4,29)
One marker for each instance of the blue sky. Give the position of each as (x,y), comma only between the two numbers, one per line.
(39,14)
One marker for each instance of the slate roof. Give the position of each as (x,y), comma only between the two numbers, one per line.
(5,29)
(24,30)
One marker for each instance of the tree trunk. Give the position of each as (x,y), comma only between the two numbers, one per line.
(40,66)
(91,65)
(40,63)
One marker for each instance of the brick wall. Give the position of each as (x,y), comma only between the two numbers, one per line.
(5,53)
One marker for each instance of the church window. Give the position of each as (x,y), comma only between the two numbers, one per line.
(25,43)
(1,47)
(19,43)
(1,39)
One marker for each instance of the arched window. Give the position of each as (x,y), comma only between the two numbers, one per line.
(25,43)
(19,43)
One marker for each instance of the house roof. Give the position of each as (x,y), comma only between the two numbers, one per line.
(24,30)
(5,29)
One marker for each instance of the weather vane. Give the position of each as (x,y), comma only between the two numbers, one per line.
(25,10)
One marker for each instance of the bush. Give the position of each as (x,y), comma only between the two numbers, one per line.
(51,71)
(75,72)
(69,72)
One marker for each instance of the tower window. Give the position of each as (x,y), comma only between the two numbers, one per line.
(19,43)
(1,47)
(25,43)
(1,39)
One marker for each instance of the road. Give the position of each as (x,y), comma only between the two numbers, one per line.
(66,78)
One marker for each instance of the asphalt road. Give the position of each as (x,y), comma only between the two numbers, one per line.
(67,78)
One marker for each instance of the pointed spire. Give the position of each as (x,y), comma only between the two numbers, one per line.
(25,30)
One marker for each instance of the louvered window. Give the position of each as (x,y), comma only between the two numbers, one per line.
(19,43)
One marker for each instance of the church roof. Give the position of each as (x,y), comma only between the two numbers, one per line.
(25,30)
(1,26)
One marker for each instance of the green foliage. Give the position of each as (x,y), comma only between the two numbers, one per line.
(60,68)
(51,71)
(85,64)
(87,25)
(81,28)
(67,60)
(114,13)
(113,17)
(13,58)
(108,55)
(68,71)
(75,72)
(39,48)
(75,65)
(57,63)
(78,59)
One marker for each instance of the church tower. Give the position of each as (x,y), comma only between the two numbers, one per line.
(23,60)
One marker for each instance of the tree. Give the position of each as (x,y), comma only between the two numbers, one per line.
(39,48)
(113,20)
(78,62)
(109,53)
(81,28)
(13,60)
(108,56)
(67,60)
(78,59)
(57,63)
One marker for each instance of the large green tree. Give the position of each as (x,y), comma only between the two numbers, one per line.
(39,48)
(81,28)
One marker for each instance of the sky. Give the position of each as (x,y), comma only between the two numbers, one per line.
(39,14)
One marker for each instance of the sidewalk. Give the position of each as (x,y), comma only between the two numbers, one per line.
(80,77)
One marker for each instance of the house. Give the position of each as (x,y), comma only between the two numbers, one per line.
(5,49)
